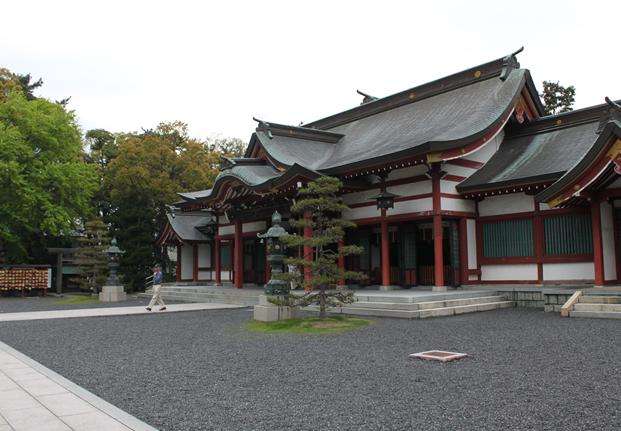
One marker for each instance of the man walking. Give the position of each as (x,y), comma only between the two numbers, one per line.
(157,287)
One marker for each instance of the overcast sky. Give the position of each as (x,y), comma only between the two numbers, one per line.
(131,64)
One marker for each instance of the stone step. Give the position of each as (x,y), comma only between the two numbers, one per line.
(460,302)
(600,299)
(596,314)
(597,307)
(413,306)
(420,314)
(423,297)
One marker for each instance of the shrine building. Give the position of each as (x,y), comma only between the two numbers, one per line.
(477,186)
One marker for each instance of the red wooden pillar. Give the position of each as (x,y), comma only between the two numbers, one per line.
(463,250)
(218,262)
(385,250)
(598,251)
(308,250)
(438,252)
(341,263)
(178,268)
(538,227)
(195,261)
(238,252)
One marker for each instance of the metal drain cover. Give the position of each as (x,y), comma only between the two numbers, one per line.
(438,355)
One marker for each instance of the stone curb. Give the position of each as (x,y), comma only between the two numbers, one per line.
(100,404)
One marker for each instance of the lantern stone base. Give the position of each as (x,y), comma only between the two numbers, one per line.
(112,294)
(265,311)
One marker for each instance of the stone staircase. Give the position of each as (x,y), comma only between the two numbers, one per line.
(421,307)
(605,305)
(211,294)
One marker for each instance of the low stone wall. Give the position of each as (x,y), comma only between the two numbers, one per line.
(542,298)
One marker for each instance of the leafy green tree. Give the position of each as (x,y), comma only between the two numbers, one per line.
(227,147)
(45,185)
(144,176)
(91,257)
(319,207)
(103,148)
(556,98)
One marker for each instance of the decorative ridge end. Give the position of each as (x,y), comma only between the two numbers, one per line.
(263,125)
(612,113)
(367,97)
(612,103)
(509,63)
(226,163)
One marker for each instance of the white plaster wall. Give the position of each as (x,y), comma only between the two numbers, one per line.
(487,151)
(568,271)
(526,272)
(608,241)
(187,261)
(506,204)
(204,255)
(461,171)
(226,230)
(225,276)
(464,205)
(362,212)
(413,206)
(359,197)
(254,226)
(417,188)
(204,275)
(448,187)
(471,227)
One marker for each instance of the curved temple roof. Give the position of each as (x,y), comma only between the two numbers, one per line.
(543,151)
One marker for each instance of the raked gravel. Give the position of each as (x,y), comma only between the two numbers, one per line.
(528,370)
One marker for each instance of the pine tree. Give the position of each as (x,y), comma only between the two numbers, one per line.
(91,256)
(319,208)
(556,98)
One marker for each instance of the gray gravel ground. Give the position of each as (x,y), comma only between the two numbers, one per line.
(529,370)
(15,304)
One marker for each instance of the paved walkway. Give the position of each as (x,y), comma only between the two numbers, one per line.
(112,311)
(34,398)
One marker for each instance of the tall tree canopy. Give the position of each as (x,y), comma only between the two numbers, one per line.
(142,175)
(45,186)
(556,98)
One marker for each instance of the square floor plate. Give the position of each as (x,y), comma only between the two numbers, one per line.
(438,355)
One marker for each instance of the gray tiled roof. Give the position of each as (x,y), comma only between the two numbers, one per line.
(430,124)
(541,156)
(195,195)
(251,174)
(184,225)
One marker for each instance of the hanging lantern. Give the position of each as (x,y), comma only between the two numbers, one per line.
(385,200)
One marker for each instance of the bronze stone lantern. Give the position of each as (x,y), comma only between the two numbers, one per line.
(275,256)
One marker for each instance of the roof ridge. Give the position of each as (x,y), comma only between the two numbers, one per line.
(576,117)
(500,67)
(300,132)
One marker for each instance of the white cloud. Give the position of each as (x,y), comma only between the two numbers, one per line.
(130,64)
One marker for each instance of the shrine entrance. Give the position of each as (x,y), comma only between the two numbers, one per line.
(411,253)
(254,261)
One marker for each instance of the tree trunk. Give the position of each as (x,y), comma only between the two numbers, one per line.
(322,302)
